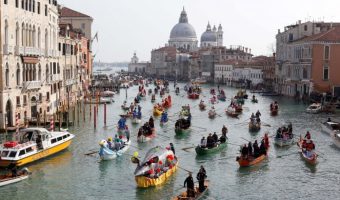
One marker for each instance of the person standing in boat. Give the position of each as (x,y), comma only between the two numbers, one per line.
(189,183)
(250,149)
(201,176)
(258,114)
(215,137)
(172,148)
(151,122)
(210,141)
(256,149)
(203,142)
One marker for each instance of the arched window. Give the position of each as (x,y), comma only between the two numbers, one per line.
(47,73)
(23,35)
(34,75)
(17,35)
(23,73)
(18,74)
(39,38)
(46,40)
(7,75)
(39,73)
(27,36)
(6,32)
(34,37)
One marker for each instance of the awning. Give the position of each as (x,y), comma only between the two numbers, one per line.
(30,60)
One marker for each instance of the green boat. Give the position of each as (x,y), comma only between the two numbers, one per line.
(240,101)
(182,126)
(202,151)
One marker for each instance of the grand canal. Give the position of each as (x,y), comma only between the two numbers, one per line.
(72,175)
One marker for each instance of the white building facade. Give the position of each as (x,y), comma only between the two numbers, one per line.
(254,76)
(29,40)
(224,73)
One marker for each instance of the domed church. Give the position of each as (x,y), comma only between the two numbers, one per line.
(183,35)
(212,38)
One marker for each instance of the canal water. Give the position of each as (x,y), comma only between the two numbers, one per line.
(72,175)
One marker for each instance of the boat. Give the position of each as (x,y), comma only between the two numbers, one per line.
(221,97)
(185,111)
(136,120)
(254,126)
(240,100)
(107,93)
(106,153)
(167,102)
(230,111)
(193,95)
(242,94)
(212,91)
(274,111)
(127,115)
(202,105)
(330,127)
(205,150)
(336,139)
(199,80)
(33,144)
(156,168)
(314,108)
(198,195)
(254,101)
(124,107)
(213,100)
(310,159)
(282,142)
(182,126)
(9,179)
(212,113)
(238,108)
(250,161)
(146,138)
(157,111)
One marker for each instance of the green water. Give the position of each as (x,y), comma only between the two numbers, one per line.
(72,175)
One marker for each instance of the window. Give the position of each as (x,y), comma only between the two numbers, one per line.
(59,46)
(38,7)
(33,6)
(29,149)
(12,154)
(305,28)
(26,4)
(53,141)
(326,53)
(22,152)
(5,2)
(25,100)
(65,136)
(18,101)
(7,75)
(4,153)
(290,37)
(18,75)
(60,138)
(22,4)
(45,10)
(30,5)
(17,3)
(47,96)
(325,72)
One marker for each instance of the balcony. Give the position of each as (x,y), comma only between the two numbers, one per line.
(56,77)
(7,49)
(32,85)
(70,82)
(19,50)
(50,53)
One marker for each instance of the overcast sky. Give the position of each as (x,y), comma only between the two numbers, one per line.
(125,26)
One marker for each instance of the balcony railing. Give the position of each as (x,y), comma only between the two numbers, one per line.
(31,85)
(7,49)
(56,77)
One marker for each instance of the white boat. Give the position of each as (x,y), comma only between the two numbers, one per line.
(136,120)
(336,139)
(33,144)
(22,175)
(108,154)
(212,113)
(330,127)
(314,108)
(282,142)
(105,100)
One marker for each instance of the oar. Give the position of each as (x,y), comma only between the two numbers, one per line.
(91,153)
(199,127)
(135,147)
(186,148)
(242,122)
(184,169)
(265,124)
(280,156)
(245,139)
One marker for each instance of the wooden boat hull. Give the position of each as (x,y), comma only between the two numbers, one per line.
(180,131)
(144,182)
(254,127)
(202,106)
(312,160)
(274,112)
(110,155)
(198,195)
(232,114)
(246,163)
(193,96)
(4,180)
(212,114)
(282,142)
(148,138)
(203,151)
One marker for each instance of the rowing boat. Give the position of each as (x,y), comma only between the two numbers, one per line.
(212,113)
(109,154)
(146,138)
(204,150)
(281,142)
(309,156)
(198,195)
(9,179)
(254,126)
(251,160)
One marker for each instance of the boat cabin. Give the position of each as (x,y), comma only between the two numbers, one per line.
(335,126)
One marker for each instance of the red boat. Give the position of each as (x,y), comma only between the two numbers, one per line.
(193,96)
(167,102)
(274,112)
(311,158)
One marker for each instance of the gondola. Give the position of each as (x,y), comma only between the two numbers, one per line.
(205,150)
(253,127)
(182,126)
(22,175)
(310,159)
(198,195)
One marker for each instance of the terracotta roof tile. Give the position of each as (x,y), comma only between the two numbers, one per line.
(67,12)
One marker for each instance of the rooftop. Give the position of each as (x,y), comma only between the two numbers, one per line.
(67,12)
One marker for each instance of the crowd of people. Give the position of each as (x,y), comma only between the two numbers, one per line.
(255,119)
(213,140)
(285,132)
(252,151)
(147,128)
(274,106)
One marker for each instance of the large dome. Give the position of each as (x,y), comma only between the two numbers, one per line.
(209,36)
(183,30)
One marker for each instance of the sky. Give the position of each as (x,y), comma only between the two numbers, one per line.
(128,26)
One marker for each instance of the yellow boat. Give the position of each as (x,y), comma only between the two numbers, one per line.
(33,144)
(144,182)
(157,111)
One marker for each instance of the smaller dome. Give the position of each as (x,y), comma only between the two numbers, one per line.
(209,36)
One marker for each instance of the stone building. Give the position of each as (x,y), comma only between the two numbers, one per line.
(29,67)
(137,67)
